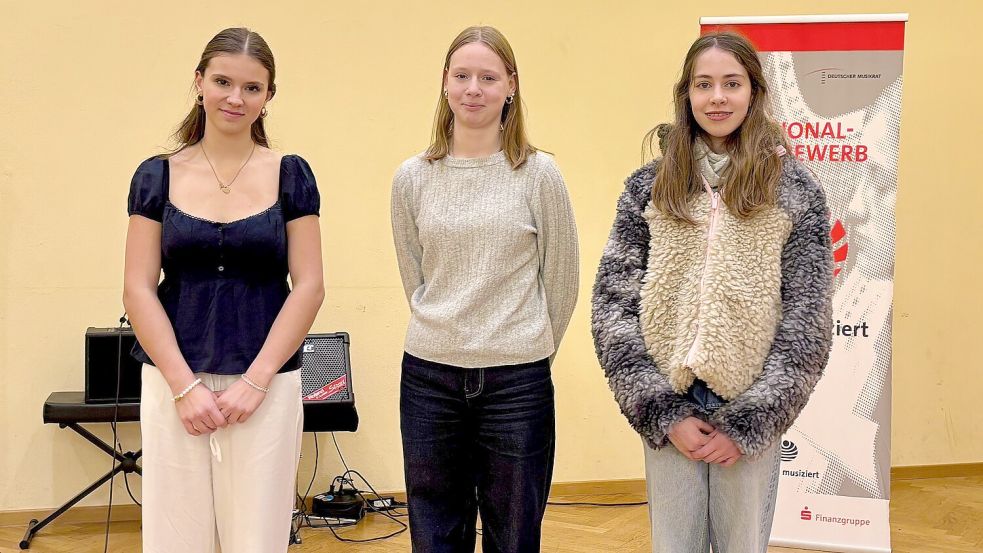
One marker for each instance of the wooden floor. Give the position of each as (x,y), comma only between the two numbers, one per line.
(937,515)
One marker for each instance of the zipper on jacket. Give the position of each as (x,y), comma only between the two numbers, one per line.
(711,234)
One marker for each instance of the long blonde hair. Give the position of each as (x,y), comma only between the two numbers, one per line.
(752,174)
(515,143)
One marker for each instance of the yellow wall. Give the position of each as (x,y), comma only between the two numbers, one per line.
(88,89)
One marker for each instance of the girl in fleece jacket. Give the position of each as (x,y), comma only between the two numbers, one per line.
(711,312)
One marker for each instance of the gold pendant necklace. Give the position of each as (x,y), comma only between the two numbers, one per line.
(227,188)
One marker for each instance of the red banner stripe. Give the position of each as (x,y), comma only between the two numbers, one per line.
(811,37)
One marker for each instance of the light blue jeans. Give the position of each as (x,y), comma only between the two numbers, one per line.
(693,504)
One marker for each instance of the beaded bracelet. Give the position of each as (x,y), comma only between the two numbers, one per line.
(254,385)
(184,392)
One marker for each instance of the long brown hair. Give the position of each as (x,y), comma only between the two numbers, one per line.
(515,143)
(235,40)
(751,177)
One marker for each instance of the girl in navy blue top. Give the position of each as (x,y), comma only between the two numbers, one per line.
(227,220)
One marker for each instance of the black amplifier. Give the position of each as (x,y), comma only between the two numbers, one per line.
(104,348)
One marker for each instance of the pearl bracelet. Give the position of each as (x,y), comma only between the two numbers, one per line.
(185,391)
(254,385)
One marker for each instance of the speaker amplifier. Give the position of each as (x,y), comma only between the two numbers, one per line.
(104,348)
(326,375)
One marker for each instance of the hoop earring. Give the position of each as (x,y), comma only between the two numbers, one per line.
(501,126)
(200,100)
(263,112)
(509,99)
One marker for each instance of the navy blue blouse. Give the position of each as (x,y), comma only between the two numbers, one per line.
(224,283)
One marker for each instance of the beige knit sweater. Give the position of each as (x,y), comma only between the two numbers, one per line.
(488,258)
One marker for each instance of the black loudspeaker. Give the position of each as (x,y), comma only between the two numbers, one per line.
(104,347)
(326,373)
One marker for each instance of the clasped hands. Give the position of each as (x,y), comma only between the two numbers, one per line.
(697,440)
(203,411)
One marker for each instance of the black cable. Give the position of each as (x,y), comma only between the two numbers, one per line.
(126,480)
(344,479)
(333,525)
(403,526)
(383,510)
(395,505)
(317,454)
(303,499)
(312,522)
(338,449)
(119,371)
(302,511)
(367,540)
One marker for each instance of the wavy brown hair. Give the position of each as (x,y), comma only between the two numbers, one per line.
(751,177)
(515,143)
(235,40)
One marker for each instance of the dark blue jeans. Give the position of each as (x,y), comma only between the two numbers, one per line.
(476,440)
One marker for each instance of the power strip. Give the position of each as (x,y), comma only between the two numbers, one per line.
(381,502)
(332,520)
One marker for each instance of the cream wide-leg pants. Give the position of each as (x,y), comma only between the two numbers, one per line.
(232,490)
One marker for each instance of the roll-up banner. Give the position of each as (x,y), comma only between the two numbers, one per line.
(836,90)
